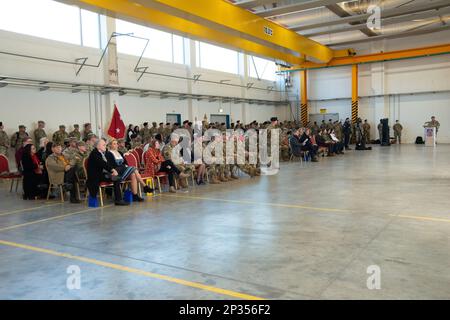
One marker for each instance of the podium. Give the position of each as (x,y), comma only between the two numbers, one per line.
(430,136)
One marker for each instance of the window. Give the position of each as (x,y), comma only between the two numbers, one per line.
(42,18)
(262,68)
(162,45)
(217,58)
(90,25)
(51,20)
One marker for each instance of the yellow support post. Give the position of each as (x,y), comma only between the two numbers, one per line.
(355,101)
(304,97)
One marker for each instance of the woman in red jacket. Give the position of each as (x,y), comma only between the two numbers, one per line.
(155,162)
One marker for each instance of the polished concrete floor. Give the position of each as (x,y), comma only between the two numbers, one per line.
(309,232)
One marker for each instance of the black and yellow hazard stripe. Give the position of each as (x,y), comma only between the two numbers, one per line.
(304,114)
(355,105)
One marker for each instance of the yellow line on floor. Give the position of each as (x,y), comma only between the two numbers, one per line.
(6,213)
(134,271)
(52,218)
(260,203)
(421,218)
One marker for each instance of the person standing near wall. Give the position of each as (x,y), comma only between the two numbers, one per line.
(39,133)
(398,132)
(60,136)
(87,131)
(433,123)
(380,131)
(18,138)
(347,130)
(4,141)
(75,133)
(366,130)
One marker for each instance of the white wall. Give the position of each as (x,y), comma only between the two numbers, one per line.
(19,105)
(394,78)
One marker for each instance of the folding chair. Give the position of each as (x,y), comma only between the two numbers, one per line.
(5,174)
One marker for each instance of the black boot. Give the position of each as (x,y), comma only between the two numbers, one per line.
(137,198)
(147,189)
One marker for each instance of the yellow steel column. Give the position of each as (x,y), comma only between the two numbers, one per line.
(304,97)
(355,101)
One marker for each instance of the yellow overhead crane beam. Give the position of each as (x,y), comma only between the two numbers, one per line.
(220,22)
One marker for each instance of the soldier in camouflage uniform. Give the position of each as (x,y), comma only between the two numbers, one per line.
(215,169)
(366,130)
(76,158)
(145,132)
(39,133)
(60,136)
(76,132)
(91,140)
(71,149)
(18,137)
(153,130)
(4,141)
(185,169)
(87,131)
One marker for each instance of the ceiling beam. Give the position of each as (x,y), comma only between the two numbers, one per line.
(393,36)
(386,21)
(384,14)
(136,13)
(376,57)
(249,4)
(296,7)
(224,16)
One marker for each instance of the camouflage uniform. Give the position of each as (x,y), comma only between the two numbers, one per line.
(75,133)
(59,137)
(17,139)
(366,130)
(167,154)
(39,133)
(4,143)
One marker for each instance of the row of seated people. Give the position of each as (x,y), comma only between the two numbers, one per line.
(301,140)
(66,167)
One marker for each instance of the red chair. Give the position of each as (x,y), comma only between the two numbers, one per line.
(101,188)
(140,152)
(133,162)
(5,174)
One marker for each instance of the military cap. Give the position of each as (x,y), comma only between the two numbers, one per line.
(76,125)
(22,127)
(72,139)
(62,126)
(145,124)
(121,140)
(91,135)
(41,122)
(81,144)
(161,123)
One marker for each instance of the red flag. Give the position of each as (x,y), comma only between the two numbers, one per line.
(117,127)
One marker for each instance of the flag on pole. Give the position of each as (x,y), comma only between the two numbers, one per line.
(117,126)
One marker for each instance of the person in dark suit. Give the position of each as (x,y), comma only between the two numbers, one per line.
(32,173)
(300,141)
(99,170)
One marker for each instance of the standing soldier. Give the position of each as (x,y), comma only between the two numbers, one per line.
(87,131)
(366,130)
(347,131)
(323,125)
(76,132)
(433,123)
(18,137)
(153,130)
(380,131)
(145,132)
(60,136)
(167,131)
(4,141)
(161,130)
(39,133)
(315,128)
(398,132)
